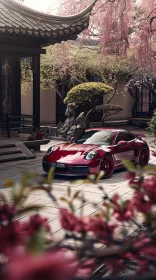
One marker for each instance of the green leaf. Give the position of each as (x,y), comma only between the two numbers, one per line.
(92,177)
(129,165)
(34,188)
(2,197)
(50,175)
(26,177)
(30,208)
(64,199)
(149,167)
(76,194)
(69,191)
(125,203)
(37,242)
(100,175)
(17,193)
(9,183)
(71,206)
(78,182)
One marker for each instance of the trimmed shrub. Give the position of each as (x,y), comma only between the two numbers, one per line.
(87,93)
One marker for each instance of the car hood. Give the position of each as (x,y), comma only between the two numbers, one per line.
(71,151)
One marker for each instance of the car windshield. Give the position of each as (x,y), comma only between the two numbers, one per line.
(96,137)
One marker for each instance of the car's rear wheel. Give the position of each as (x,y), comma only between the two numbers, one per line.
(107,165)
(144,156)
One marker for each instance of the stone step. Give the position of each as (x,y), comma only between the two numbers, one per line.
(11,145)
(9,151)
(12,157)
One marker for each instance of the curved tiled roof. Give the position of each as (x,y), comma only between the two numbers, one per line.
(19,20)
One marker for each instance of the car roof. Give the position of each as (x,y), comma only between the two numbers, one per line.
(109,129)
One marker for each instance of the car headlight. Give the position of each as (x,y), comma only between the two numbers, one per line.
(50,150)
(91,155)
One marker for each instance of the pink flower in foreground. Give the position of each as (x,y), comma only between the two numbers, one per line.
(7,212)
(51,266)
(72,223)
(139,202)
(86,269)
(11,236)
(101,229)
(67,219)
(124,211)
(141,241)
(34,223)
(130,175)
(149,185)
(149,251)
(115,264)
(143,264)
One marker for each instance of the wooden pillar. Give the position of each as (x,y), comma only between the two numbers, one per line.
(15,88)
(1,91)
(36,90)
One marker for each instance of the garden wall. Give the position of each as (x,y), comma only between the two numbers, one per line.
(48,104)
(125,100)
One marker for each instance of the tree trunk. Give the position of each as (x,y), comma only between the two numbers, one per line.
(87,117)
(103,120)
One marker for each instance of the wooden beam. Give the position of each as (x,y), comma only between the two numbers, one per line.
(22,50)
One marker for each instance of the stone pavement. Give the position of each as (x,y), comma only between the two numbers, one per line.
(117,183)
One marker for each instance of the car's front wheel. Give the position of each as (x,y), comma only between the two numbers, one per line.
(144,156)
(107,165)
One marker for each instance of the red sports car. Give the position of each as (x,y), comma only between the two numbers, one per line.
(94,150)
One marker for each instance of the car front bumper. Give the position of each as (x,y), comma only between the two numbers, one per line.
(69,169)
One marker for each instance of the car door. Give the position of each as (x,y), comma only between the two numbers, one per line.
(125,151)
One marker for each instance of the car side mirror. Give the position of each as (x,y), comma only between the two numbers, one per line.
(121,143)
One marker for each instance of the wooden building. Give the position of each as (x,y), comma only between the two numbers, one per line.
(23,34)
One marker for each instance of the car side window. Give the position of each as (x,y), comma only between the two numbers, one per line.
(120,137)
(124,136)
(130,137)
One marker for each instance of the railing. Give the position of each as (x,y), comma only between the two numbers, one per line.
(19,122)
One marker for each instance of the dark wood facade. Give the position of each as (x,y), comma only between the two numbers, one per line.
(23,34)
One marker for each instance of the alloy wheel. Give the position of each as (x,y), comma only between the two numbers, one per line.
(107,165)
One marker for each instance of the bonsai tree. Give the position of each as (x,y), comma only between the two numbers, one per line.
(108,110)
(87,94)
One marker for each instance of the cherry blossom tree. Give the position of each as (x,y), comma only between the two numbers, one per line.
(120,28)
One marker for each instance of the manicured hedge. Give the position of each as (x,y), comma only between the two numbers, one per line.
(86,92)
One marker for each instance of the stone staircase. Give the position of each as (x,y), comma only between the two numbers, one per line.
(14,152)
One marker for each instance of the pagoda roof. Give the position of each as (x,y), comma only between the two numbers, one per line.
(18,20)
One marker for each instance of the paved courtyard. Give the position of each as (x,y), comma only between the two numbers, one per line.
(117,183)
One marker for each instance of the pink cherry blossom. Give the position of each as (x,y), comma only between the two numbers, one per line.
(86,269)
(149,186)
(122,211)
(11,236)
(101,229)
(34,223)
(7,211)
(72,223)
(54,265)
(139,203)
